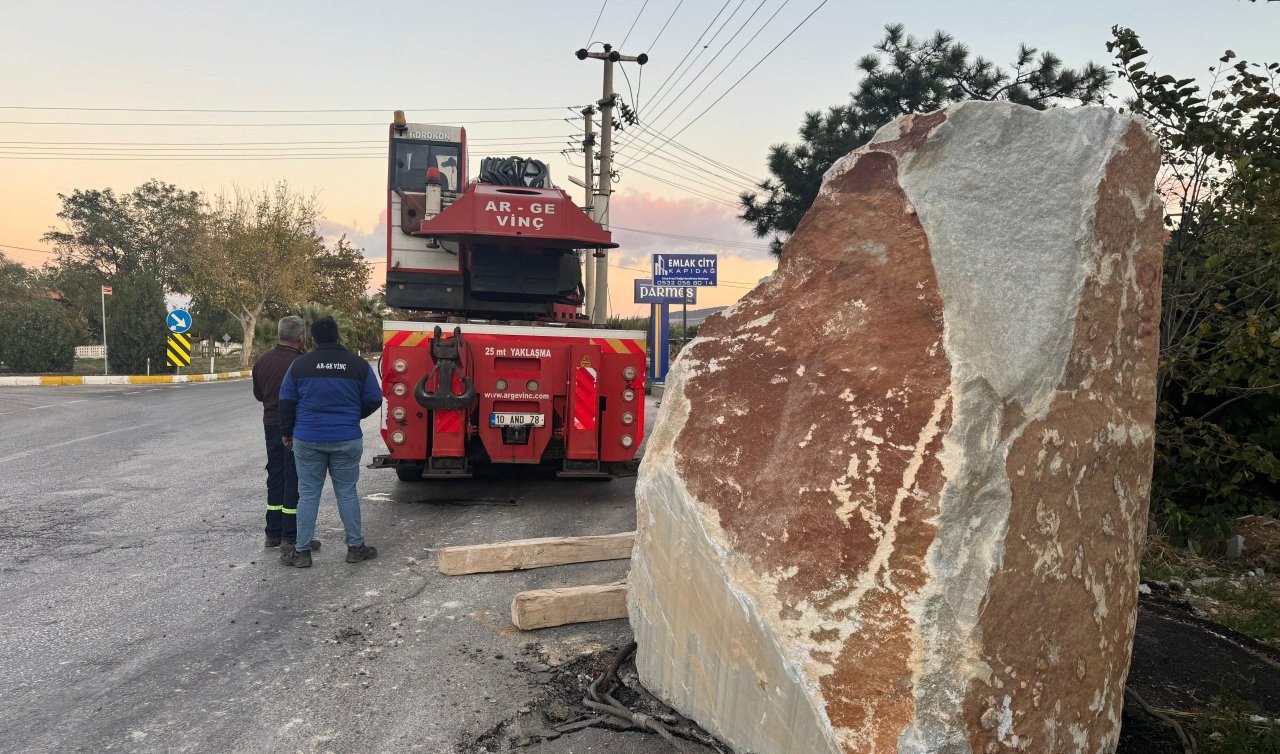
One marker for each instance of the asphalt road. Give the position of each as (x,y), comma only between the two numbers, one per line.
(140,612)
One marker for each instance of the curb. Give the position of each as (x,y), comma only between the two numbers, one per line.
(120,379)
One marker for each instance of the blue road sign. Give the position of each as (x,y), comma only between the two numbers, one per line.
(178,321)
(684,269)
(648,293)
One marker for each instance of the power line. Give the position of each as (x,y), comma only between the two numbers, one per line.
(233,110)
(742,78)
(591,37)
(728,65)
(27,248)
(675,85)
(633,23)
(664,27)
(749,182)
(746,177)
(194,144)
(142,149)
(703,239)
(674,184)
(116,157)
(657,94)
(714,57)
(250,125)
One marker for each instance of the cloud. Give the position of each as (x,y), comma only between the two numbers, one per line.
(372,241)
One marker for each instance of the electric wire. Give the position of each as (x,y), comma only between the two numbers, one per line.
(692,166)
(694,46)
(249,125)
(591,37)
(698,96)
(713,59)
(654,43)
(742,78)
(27,248)
(675,85)
(633,23)
(235,110)
(383,142)
(702,239)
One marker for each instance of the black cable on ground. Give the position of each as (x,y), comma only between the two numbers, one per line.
(1187,740)
(600,700)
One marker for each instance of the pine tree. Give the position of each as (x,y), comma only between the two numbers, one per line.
(905,75)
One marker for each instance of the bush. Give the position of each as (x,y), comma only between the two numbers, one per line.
(37,336)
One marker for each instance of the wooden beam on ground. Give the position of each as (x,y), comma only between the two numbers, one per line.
(542,608)
(520,554)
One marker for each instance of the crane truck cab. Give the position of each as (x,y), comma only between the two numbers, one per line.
(500,366)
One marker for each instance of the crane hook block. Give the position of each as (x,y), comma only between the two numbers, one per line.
(447,355)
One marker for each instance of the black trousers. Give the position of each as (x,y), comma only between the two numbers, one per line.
(282,487)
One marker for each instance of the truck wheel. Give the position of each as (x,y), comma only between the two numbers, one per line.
(409,472)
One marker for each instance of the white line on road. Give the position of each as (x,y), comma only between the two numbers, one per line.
(32,451)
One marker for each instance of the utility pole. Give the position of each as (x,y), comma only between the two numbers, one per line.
(589,147)
(600,206)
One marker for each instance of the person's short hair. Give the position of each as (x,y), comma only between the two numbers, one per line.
(291,328)
(324,330)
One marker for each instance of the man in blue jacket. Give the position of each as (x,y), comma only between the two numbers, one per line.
(322,400)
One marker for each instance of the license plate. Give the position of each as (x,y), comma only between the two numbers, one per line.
(517,420)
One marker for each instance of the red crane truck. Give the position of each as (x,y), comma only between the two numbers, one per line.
(501,367)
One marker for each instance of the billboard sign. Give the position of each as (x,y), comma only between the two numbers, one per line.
(648,293)
(684,269)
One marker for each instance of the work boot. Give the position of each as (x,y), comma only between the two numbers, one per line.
(271,541)
(288,544)
(296,559)
(363,552)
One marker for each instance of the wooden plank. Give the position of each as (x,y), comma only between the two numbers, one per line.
(542,608)
(520,554)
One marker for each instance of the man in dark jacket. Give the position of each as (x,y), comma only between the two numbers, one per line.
(322,400)
(282,476)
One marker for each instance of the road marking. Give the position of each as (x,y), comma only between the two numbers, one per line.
(37,408)
(81,400)
(32,451)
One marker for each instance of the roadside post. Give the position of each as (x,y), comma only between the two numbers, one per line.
(693,270)
(106,291)
(179,347)
(660,299)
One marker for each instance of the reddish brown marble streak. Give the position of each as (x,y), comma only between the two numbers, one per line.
(856,303)
(1045,651)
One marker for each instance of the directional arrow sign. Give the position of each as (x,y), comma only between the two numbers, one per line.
(178,321)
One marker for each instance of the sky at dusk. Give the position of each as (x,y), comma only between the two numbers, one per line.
(471,64)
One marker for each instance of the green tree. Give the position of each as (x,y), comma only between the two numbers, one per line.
(149,231)
(1218,437)
(80,285)
(256,248)
(135,326)
(366,323)
(904,75)
(342,275)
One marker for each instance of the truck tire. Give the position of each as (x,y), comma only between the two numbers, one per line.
(409,472)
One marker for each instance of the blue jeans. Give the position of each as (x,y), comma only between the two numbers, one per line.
(342,461)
